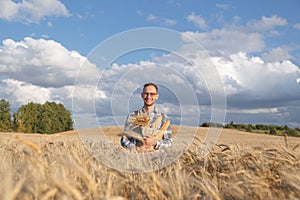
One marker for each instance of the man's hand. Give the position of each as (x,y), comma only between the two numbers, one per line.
(150,141)
(144,149)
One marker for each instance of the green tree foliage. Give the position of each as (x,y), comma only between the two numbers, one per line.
(291,132)
(272,130)
(5,117)
(263,128)
(211,124)
(46,118)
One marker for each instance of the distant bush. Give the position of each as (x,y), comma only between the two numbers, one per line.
(259,128)
(272,131)
(211,124)
(292,132)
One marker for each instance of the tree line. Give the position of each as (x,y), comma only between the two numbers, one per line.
(258,128)
(47,118)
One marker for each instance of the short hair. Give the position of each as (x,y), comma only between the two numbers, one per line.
(150,84)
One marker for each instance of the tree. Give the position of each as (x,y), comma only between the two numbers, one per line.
(47,118)
(230,125)
(5,117)
(291,132)
(249,128)
(272,130)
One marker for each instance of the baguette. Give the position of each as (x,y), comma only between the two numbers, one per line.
(157,122)
(134,135)
(143,122)
(162,130)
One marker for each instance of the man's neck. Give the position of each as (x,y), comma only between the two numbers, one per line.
(148,109)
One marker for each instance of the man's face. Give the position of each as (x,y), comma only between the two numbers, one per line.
(149,95)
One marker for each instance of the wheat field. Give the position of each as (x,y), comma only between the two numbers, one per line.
(240,166)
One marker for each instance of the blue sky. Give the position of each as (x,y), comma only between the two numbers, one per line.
(254,45)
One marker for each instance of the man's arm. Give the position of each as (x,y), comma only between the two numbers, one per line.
(129,142)
(166,141)
(125,141)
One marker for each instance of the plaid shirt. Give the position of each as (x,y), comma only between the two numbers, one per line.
(166,141)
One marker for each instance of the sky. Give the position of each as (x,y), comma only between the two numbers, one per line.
(226,61)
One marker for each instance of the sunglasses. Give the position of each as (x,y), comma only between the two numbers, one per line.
(144,94)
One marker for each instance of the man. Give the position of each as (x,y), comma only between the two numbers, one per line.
(149,96)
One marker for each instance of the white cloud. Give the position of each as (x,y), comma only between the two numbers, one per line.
(254,111)
(248,79)
(233,39)
(277,54)
(40,70)
(199,21)
(169,22)
(297,26)
(151,17)
(42,62)
(266,23)
(31,11)
(43,70)
(21,93)
(250,82)
(161,20)
(244,78)
(228,41)
(8,9)
(224,6)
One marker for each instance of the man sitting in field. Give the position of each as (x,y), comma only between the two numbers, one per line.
(147,129)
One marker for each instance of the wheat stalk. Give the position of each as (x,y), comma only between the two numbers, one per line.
(32,145)
(140,120)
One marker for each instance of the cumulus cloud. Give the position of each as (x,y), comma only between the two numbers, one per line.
(224,6)
(199,21)
(278,54)
(253,86)
(297,26)
(251,82)
(233,39)
(31,11)
(22,92)
(266,23)
(151,17)
(41,62)
(228,41)
(121,86)
(254,111)
(161,20)
(42,70)
(264,86)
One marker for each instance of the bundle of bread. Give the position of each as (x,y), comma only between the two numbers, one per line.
(152,130)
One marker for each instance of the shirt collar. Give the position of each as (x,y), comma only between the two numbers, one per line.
(155,110)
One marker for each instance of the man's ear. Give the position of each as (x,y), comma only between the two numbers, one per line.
(156,96)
